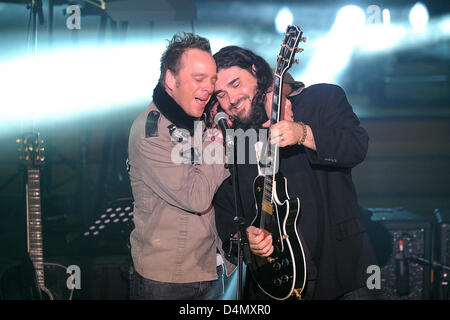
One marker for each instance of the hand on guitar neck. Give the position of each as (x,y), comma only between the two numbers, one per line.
(260,241)
(291,131)
(286,109)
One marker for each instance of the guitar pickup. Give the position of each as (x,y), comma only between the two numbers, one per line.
(267,207)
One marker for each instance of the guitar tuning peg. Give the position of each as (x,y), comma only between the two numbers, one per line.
(42,159)
(303,39)
(27,157)
(299,50)
(296,61)
(42,149)
(18,140)
(283,45)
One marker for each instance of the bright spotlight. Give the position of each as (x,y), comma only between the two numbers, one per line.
(444,26)
(334,50)
(283,19)
(350,17)
(65,83)
(418,16)
(386,17)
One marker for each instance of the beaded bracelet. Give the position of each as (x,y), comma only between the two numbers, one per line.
(302,140)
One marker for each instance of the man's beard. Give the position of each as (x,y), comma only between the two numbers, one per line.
(256,117)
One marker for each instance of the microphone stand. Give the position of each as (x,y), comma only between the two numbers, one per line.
(433,264)
(36,11)
(243,249)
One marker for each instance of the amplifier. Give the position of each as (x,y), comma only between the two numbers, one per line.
(442,253)
(397,236)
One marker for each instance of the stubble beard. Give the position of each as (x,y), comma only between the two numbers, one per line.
(254,119)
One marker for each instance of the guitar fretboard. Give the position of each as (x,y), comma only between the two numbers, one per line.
(35,247)
(271,151)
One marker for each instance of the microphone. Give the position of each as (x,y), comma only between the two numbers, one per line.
(221,119)
(402,270)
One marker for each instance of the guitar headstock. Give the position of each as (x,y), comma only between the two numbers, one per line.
(289,48)
(31,150)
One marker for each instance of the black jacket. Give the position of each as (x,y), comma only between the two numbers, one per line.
(330,220)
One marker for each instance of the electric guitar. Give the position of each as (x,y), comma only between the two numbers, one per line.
(282,274)
(31,152)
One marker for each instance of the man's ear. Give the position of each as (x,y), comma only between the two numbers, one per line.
(170,80)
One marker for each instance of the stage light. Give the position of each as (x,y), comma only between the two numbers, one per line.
(383,37)
(418,16)
(283,19)
(386,17)
(350,17)
(444,26)
(333,51)
(66,83)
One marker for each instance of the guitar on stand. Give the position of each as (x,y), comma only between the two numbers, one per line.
(282,274)
(31,152)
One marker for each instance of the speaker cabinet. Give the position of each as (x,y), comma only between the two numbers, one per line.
(397,237)
(442,253)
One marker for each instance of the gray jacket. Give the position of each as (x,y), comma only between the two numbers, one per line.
(175,238)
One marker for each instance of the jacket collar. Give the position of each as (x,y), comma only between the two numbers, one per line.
(172,110)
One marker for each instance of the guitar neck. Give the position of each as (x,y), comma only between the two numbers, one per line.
(35,246)
(285,59)
(271,151)
(276,100)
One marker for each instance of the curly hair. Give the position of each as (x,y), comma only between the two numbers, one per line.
(232,56)
(171,58)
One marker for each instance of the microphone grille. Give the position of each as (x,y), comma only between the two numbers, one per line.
(219,116)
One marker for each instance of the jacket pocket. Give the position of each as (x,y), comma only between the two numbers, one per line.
(348,228)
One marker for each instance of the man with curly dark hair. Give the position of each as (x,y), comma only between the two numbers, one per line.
(318,148)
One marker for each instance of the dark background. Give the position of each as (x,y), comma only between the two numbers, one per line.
(401,96)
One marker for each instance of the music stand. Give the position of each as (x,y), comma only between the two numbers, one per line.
(116,218)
